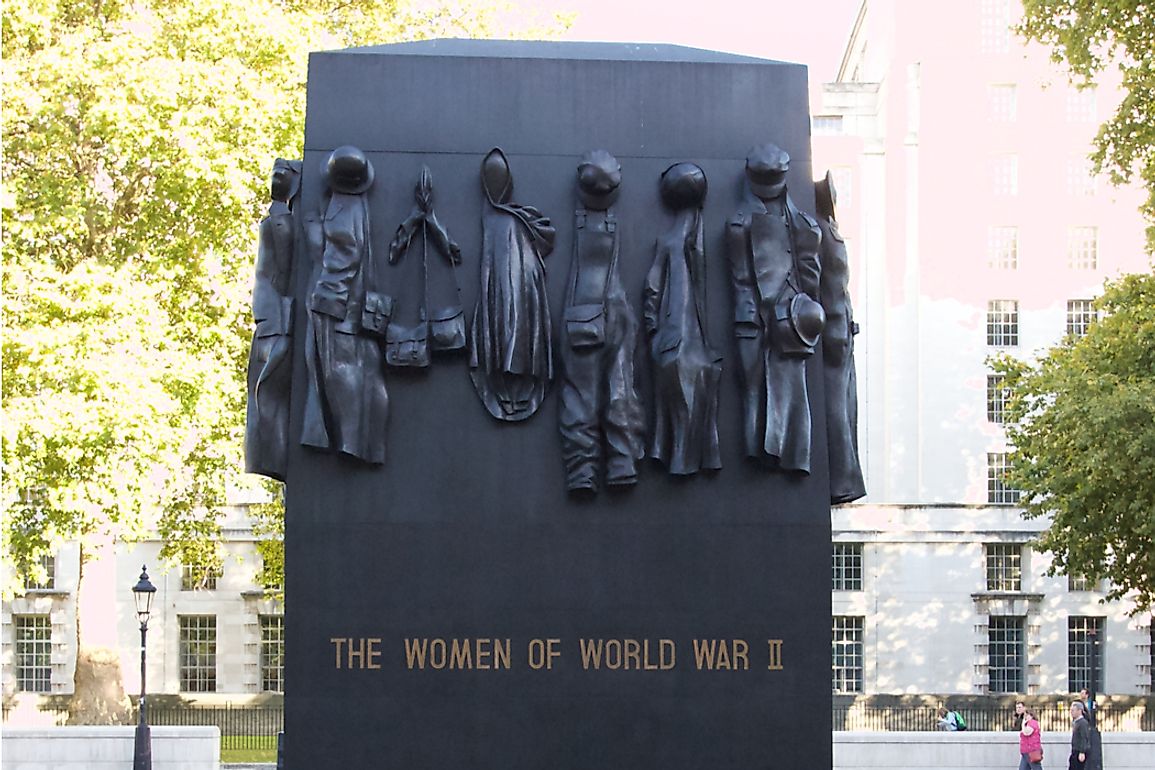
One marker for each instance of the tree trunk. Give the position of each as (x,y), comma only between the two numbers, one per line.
(99,697)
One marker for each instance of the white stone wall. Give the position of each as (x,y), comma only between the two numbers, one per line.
(968,750)
(236,603)
(926,608)
(109,748)
(59,604)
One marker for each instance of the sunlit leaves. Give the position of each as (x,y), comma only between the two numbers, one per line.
(1082,422)
(138,138)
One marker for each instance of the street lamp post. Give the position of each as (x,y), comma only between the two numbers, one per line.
(142,593)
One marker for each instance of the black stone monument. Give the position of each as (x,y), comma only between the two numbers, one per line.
(453,607)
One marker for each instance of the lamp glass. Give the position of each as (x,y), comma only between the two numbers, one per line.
(142,593)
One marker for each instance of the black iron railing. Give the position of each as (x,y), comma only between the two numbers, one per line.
(257,726)
(1052,718)
(242,727)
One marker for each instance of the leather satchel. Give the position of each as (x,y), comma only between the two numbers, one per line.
(447,328)
(1035,756)
(407,346)
(376,313)
(585,326)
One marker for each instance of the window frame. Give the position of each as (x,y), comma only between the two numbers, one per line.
(1006,655)
(1003,247)
(198,667)
(1081,314)
(1003,566)
(194,577)
(999,492)
(48,562)
(847,653)
(1079,651)
(1083,247)
(271,665)
(1002,325)
(846,567)
(32,652)
(997,397)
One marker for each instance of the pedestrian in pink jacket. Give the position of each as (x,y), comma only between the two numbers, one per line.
(1030,739)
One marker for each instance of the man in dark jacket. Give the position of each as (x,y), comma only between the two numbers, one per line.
(1080,737)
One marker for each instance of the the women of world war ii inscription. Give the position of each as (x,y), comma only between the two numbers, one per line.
(536,535)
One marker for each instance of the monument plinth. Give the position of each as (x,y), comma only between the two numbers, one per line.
(462,601)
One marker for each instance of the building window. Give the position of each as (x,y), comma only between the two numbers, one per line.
(1005,172)
(1079,582)
(846,652)
(1080,314)
(1083,248)
(1004,563)
(1003,247)
(33,653)
(997,396)
(1003,103)
(1081,179)
(1079,634)
(48,567)
(272,653)
(847,567)
(827,125)
(1082,105)
(995,26)
(1006,654)
(198,653)
(195,577)
(998,491)
(1003,323)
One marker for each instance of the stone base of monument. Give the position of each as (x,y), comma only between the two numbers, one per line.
(452,605)
(109,748)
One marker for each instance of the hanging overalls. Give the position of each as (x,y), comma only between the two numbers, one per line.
(601,414)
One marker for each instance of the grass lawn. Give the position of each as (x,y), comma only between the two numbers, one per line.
(248,748)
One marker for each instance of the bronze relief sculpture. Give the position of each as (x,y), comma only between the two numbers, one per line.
(346,405)
(601,415)
(511,356)
(775,270)
(438,322)
(270,359)
(686,369)
(846,483)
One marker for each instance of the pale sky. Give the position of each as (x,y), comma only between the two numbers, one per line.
(812,33)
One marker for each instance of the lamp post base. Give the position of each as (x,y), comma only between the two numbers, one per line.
(142,748)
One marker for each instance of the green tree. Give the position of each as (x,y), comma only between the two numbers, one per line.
(1089,36)
(138,138)
(1082,424)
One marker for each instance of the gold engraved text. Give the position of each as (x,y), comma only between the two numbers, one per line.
(360,653)
(542,652)
(774,648)
(627,654)
(722,654)
(482,654)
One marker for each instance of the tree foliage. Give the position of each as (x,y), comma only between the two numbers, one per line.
(1088,36)
(1082,423)
(138,138)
